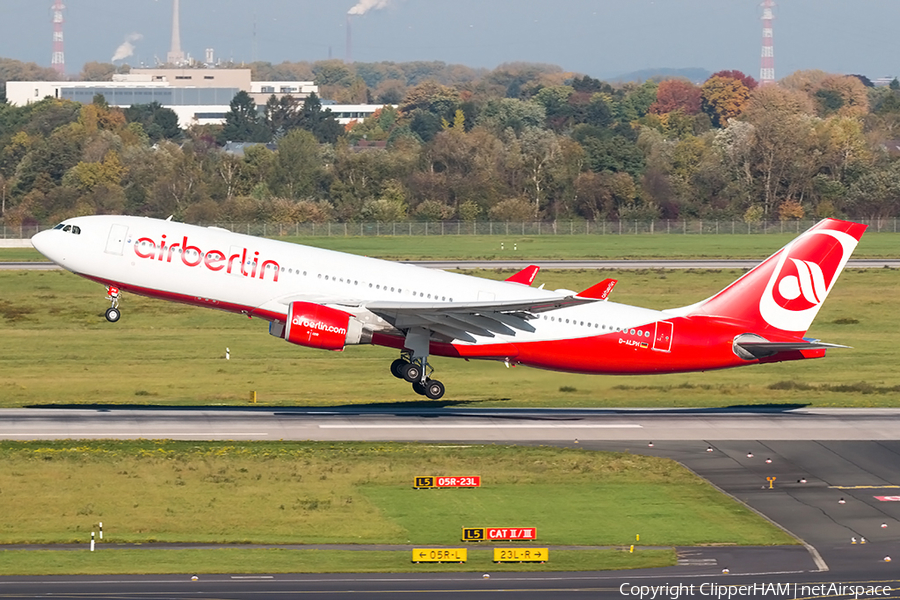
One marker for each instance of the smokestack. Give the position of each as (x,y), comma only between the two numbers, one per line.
(175,56)
(349,56)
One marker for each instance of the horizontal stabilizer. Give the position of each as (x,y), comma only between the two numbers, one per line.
(751,347)
(601,291)
(525,276)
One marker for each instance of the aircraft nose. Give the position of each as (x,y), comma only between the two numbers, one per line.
(41,242)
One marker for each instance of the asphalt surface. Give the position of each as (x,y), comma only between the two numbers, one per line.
(400,423)
(817,457)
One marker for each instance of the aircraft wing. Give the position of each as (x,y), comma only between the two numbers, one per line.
(460,320)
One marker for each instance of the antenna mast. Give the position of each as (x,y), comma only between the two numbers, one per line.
(767,61)
(58,62)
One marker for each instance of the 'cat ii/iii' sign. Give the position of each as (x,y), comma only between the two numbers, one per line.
(498,534)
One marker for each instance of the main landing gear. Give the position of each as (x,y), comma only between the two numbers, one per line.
(113,313)
(413,372)
(413,365)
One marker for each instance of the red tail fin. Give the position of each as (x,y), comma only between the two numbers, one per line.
(784,293)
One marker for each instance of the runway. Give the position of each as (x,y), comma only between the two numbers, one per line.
(817,456)
(452,424)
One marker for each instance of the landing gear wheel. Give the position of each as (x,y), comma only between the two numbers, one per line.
(412,372)
(112,314)
(397,368)
(419,389)
(434,389)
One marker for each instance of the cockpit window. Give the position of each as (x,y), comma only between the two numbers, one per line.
(60,226)
(76,229)
(67,228)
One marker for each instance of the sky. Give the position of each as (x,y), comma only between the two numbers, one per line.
(601,38)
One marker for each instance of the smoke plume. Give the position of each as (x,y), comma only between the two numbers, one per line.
(363,6)
(127,47)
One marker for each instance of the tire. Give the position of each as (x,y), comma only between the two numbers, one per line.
(412,372)
(434,389)
(419,388)
(112,314)
(397,368)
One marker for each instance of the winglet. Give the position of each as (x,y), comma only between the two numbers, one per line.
(525,276)
(601,291)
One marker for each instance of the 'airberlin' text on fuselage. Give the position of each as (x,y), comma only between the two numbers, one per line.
(214,260)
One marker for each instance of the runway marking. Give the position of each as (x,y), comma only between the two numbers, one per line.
(252,577)
(863,487)
(498,426)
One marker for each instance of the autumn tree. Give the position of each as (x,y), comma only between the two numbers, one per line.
(723,98)
(676,94)
(748,81)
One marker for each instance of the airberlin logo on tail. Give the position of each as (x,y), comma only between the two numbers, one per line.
(809,282)
(803,275)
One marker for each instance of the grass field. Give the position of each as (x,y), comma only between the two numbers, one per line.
(277,560)
(51,322)
(349,493)
(550,247)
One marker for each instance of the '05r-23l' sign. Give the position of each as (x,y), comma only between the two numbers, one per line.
(431,481)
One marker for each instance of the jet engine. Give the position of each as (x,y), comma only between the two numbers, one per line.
(318,326)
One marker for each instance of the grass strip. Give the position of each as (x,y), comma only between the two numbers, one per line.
(277,560)
(556,247)
(356,493)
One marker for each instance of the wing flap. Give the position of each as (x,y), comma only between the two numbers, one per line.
(463,320)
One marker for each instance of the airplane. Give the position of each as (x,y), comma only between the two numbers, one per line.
(329,300)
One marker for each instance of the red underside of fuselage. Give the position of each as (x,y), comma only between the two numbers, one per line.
(699,344)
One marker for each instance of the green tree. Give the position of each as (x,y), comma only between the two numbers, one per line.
(321,123)
(242,122)
(159,122)
(298,166)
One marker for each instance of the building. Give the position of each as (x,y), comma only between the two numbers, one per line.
(197,96)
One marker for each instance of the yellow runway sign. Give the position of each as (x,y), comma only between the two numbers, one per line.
(457,555)
(521,554)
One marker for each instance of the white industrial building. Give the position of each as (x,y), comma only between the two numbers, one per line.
(197,96)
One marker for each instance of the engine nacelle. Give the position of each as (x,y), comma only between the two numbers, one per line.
(318,326)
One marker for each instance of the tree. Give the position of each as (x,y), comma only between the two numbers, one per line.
(675,94)
(95,71)
(242,122)
(298,165)
(748,81)
(877,193)
(513,210)
(506,113)
(724,98)
(159,122)
(321,123)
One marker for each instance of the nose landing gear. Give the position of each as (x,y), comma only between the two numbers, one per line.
(113,313)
